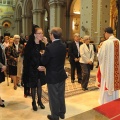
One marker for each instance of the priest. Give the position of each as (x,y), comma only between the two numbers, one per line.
(109,67)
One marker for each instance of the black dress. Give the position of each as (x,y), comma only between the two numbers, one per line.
(30,64)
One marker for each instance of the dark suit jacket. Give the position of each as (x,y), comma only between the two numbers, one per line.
(54,59)
(73,51)
(2,60)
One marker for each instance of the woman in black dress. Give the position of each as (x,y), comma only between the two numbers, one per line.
(33,70)
(3,64)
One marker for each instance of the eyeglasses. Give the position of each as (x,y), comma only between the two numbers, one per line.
(17,38)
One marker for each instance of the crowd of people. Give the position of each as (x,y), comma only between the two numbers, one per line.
(33,61)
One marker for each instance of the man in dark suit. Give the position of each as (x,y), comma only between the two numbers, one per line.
(54,59)
(74,55)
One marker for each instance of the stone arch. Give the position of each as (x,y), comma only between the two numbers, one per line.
(18,19)
(75,16)
(27,16)
(18,9)
(27,7)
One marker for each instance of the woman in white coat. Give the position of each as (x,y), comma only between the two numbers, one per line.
(86,60)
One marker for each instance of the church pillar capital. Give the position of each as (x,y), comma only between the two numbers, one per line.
(38,16)
(56,12)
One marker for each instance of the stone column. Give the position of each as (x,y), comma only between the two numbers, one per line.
(17,21)
(38,17)
(103,17)
(118,24)
(95,18)
(86,17)
(55,12)
(23,24)
(28,25)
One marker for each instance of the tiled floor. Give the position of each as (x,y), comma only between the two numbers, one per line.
(19,108)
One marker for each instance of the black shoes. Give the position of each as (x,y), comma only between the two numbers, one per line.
(34,106)
(51,118)
(41,105)
(84,89)
(2,105)
(62,116)
(15,87)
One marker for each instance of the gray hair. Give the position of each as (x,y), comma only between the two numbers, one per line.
(86,37)
(77,34)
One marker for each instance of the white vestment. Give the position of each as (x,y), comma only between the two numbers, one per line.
(106,57)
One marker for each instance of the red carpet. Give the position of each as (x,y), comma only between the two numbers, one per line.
(110,110)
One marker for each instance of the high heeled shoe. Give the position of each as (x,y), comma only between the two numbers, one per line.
(15,87)
(41,105)
(34,106)
(2,105)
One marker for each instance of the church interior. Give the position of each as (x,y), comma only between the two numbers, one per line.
(86,17)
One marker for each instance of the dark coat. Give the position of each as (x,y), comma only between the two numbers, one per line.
(2,60)
(54,59)
(30,64)
(11,53)
(73,51)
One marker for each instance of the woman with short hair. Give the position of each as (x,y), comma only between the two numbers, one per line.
(86,60)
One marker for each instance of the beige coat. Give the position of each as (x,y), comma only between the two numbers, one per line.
(86,54)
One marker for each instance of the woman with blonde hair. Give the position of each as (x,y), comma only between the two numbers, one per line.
(6,41)
(12,54)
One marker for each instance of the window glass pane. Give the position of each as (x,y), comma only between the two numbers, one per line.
(8,1)
(4,1)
